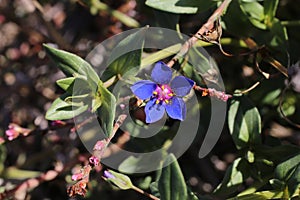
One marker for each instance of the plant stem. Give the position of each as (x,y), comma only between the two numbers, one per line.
(128,21)
(291,23)
(145,193)
(193,40)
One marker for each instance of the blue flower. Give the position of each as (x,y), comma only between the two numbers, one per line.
(164,93)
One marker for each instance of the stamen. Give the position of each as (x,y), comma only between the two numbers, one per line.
(157,101)
(155,93)
(167,101)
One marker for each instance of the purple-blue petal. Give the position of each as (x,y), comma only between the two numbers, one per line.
(143,89)
(154,112)
(161,73)
(108,175)
(176,109)
(181,85)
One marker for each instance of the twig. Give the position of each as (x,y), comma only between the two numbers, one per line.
(78,126)
(213,93)
(56,36)
(145,193)
(100,6)
(79,188)
(249,89)
(205,28)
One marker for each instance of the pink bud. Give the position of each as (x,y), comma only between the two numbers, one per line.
(94,160)
(58,123)
(11,134)
(76,177)
(99,146)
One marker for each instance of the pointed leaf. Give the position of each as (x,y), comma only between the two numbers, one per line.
(19,174)
(65,83)
(289,172)
(106,112)
(126,55)
(255,13)
(181,6)
(72,65)
(171,183)
(244,122)
(263,195)
(73,84)
(140,164)
(60,109)
(234,177)
(270,7)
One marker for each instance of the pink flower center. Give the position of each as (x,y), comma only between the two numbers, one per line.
(163,93)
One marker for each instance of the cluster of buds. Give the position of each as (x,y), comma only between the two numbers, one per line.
(82,177)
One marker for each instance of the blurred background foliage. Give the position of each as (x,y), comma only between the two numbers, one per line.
(268,164)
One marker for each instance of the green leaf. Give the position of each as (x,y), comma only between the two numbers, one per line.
(61,110)
(276,154)
(289,172)
(277,184)
(65,83)
(294,182)
(161,54)
(271,98)
(270,7)
(20,174)
(192,196)
(181,6)
(140,164)
(122,61)
(255,13)
(203,64)
(233,24)
(76,100)
(244,122)
(96,103)
(106,112)
(154,189)
(264,195)
(120,180)
(279,35)
(171,183)
(73,84)
(73,65)
(97,6)
(284,170)
(250,156)
(234,177)
(256,185)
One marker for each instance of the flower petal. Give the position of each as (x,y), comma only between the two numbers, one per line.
(176,109)
(161,73)
(143,89)
(154,112)
(181,85)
